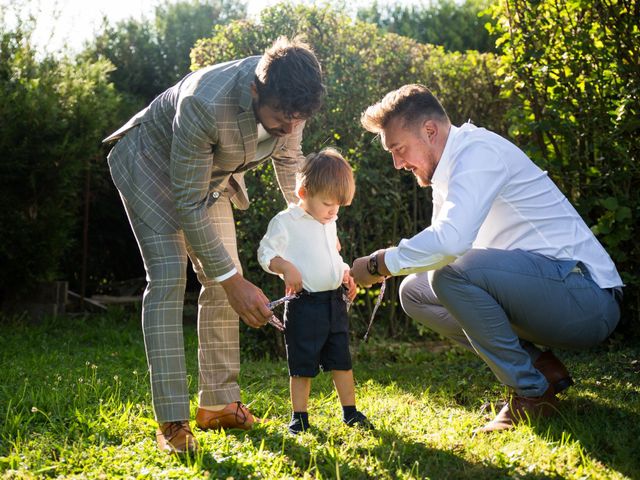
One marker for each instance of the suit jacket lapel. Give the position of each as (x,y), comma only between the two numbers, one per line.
(249,134)
(246,118)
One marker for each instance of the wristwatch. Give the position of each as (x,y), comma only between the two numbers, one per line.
(372,265)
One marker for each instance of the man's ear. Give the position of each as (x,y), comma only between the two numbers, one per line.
(430,129)
(302,193)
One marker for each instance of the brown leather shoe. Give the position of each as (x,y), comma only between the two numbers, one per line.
(554,371)
(519,408)
(234,415)
(176,437)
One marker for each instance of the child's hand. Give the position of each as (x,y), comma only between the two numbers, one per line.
(292,279)
(350,285)
(290,274)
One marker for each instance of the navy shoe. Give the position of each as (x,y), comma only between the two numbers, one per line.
(359,420)
(298,424)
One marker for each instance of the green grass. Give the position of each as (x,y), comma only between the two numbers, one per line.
(75,403)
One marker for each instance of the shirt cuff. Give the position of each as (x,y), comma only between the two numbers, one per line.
(394,263)
(391,260)
(223,277)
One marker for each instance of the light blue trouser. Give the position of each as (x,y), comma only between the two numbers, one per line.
(499,303)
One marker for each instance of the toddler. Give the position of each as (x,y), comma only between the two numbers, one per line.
(301,246)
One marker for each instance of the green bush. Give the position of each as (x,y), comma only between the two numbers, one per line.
(455,24)
(53,115)
(361,63)
(573,68)
(151,54)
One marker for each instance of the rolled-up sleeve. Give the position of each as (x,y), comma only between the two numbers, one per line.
(272,244)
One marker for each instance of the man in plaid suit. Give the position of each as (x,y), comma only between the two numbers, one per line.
(178,165)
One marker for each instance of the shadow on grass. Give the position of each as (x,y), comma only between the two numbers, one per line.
(601,413)
(436,463)
(607,434)
(453,373)
(390,454)
(226,467)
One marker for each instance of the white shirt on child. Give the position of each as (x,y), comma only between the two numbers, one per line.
(311,246)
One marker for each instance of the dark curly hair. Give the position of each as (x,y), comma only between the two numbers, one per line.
(289,78)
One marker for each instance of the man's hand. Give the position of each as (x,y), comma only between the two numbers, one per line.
(350,285)
(247,300)
(361,275)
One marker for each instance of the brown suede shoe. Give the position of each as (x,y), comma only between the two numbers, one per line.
(234,415)
(176,437)
(554,371)
(519,408)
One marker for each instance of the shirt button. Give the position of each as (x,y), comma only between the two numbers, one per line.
(215,194)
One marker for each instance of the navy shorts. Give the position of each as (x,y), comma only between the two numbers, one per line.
(317,333)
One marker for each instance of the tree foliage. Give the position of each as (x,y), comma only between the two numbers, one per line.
(573,67)
(150,55)
(457,26)
(53,114)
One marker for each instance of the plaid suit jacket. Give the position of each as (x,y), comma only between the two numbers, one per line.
(177,156)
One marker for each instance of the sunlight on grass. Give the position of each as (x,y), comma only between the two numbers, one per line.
(75,403)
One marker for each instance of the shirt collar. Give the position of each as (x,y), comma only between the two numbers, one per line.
(445,158)
(297,211)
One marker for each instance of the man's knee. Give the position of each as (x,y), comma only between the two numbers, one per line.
(409,294)
(168,276)
(417,299)
(470,268)
(443,279)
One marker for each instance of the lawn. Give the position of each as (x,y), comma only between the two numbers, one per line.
(75,403)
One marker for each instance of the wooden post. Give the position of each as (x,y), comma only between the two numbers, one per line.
(85,231)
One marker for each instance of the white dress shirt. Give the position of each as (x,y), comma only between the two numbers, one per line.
(311,246)
(488,194)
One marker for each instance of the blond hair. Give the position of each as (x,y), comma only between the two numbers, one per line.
(327,173)
(412,103)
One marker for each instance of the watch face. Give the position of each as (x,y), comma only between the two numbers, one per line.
(372,265)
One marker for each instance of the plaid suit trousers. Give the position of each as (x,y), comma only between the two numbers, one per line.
(165,262)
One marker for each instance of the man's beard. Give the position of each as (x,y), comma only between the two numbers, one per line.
(422,181)
(274,132)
